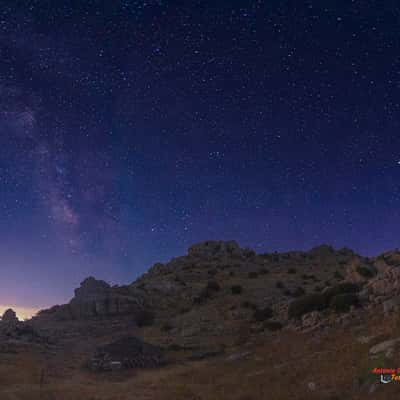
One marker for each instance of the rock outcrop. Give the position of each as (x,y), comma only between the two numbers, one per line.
(210,248)
(96,299)
(9,317)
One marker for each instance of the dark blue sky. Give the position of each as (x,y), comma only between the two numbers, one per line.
(132,129)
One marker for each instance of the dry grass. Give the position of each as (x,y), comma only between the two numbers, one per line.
(279,367)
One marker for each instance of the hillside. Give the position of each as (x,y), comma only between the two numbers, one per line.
(220,322)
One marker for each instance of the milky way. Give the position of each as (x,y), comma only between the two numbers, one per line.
(131,129)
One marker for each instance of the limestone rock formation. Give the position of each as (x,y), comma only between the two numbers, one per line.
(96,298)
(9,317)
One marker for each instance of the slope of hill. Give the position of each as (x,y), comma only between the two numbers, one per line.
(218,321)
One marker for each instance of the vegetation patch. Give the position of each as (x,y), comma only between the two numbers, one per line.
(280,285)
(366,271)
(343,302)
(298,292)
(341,288)
(236,289)
(306,304)
(248,304)
(213,286)
(263,314)
(144,318)
(272,326)
(263,271)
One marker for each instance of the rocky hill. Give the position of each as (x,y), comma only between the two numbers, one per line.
(219,290)
(215,300)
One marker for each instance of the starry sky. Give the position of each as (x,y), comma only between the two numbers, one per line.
(132,129)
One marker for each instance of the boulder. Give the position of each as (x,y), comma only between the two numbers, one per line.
(311,320)
(386,284)
(383,346)
(391,305)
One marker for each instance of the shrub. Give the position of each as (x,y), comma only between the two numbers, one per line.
(292,271)
(366,272)
(203,296)
(338,275)
(263,314)
(320,301)
(252,275)
(144,318)
(306,304)
(341,288)
(248,304)
(166,327)
(236,289)
(299,291)
(280,285)
(206,293)
(272,326)
(177,279)
(213,286)
(249,253)
(343,302)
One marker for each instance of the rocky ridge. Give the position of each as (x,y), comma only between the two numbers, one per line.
(220,295)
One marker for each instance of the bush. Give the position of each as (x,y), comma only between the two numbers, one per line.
(263,314)
(236,289)
(177,279)
(203,296)
(341,288)
(338,275)
(343,302)
(272,326)
(206,293)
(366,272)
(292,271)
(306,304)
(280,285)
(166,327)
(144,318)
(252,275)
(321,301)
(248,304)
(213,286)
(248,253)
(298,292)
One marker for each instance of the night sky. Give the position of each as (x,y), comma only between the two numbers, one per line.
(132,129)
